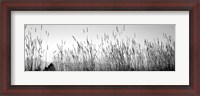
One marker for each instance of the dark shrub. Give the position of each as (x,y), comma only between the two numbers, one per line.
(50,68)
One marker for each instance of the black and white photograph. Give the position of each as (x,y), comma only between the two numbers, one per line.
(99,47)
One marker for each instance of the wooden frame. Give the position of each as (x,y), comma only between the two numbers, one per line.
(98,5)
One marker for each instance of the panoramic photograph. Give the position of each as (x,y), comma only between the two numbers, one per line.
(99,47)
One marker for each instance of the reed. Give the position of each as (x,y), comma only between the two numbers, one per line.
(112,54)
(120,54)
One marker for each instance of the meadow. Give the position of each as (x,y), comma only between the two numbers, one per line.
(112,54)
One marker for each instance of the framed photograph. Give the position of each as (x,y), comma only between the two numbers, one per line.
(100,47)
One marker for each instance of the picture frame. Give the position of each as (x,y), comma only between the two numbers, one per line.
(104,5)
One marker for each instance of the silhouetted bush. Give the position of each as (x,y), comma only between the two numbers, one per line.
(50,68)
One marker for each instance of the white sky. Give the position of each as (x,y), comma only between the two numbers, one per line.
(57,33)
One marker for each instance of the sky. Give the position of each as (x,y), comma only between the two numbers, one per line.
(58,33)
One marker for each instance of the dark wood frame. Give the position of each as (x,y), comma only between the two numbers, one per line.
(193,89)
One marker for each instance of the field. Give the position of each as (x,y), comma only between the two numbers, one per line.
(112,54)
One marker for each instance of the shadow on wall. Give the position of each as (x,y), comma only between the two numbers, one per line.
(50,68)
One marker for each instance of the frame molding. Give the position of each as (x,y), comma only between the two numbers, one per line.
(96,5)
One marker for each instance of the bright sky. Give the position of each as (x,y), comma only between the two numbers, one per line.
(57,33)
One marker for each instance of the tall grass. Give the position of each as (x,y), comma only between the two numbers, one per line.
(112,54)
(119,55)
(34,51)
